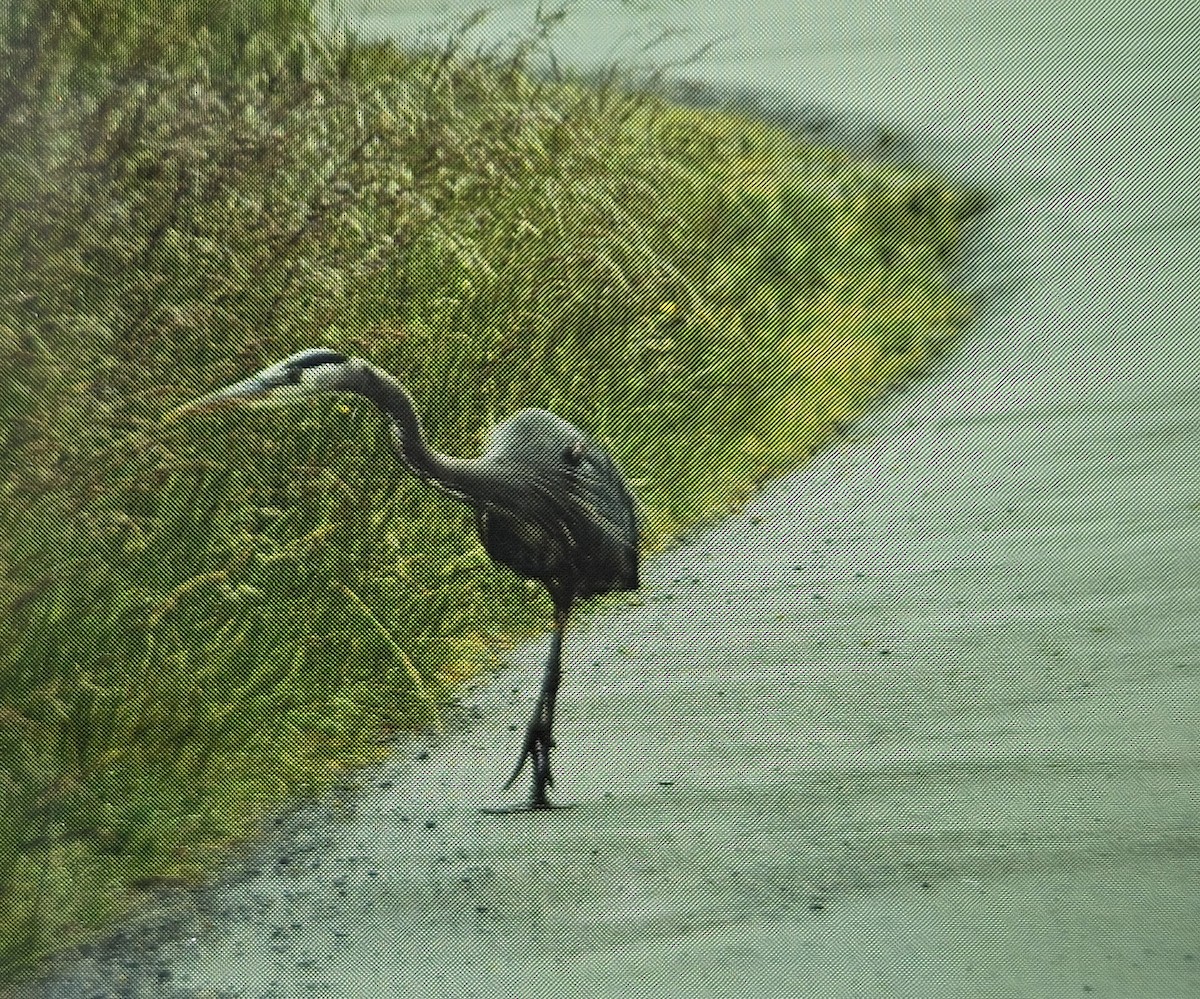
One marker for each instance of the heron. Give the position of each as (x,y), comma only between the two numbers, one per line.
(549,504)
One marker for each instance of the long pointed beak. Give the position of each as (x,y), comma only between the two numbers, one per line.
(270,388)
(297,377)
(300,376)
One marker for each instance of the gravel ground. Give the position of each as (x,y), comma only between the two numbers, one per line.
(924,720)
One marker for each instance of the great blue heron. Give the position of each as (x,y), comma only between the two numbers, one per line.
(548,503)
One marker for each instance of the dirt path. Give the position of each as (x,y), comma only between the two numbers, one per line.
(923,721)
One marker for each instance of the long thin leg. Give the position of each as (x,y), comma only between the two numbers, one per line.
(539,733)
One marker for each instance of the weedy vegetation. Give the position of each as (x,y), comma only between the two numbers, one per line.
(202,620)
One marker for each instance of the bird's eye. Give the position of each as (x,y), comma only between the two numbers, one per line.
(573,455)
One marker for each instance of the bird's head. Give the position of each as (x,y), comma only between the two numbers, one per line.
(309,373)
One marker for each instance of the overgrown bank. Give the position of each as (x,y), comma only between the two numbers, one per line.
(201,621)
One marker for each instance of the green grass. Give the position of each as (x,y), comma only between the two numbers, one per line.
(206,619)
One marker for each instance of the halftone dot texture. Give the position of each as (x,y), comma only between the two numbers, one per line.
(920,721)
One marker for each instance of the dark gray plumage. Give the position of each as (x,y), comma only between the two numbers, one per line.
(549,504)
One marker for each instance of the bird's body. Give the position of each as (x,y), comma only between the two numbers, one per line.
(576,532)
(549,504)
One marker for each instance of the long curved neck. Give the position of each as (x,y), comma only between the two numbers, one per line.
(390,396)
(456,475)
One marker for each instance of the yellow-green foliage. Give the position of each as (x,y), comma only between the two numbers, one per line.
(201,619)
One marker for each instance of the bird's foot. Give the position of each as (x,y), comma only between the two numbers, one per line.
(535,751)
(527,806)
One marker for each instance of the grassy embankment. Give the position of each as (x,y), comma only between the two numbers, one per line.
(205,619)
